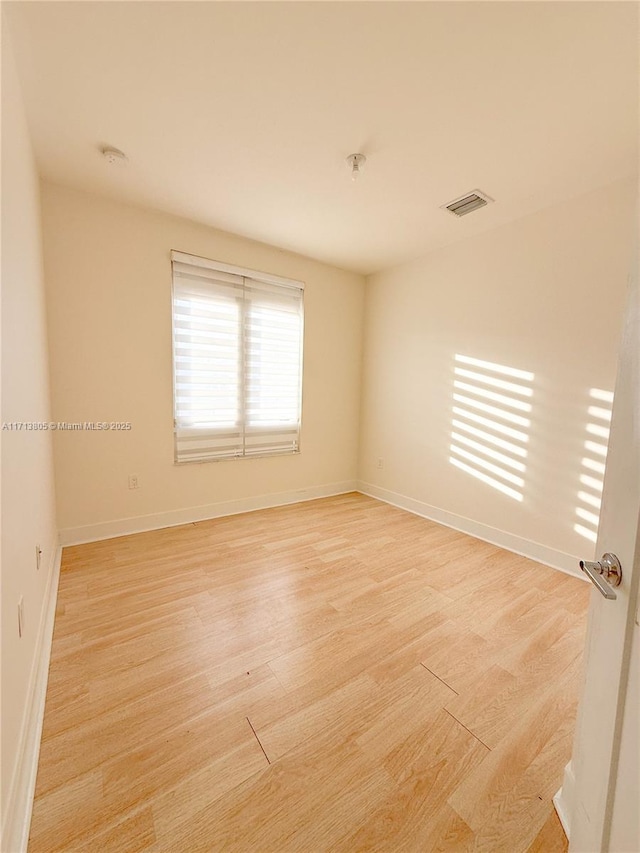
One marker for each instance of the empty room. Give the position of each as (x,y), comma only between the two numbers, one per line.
(320,427)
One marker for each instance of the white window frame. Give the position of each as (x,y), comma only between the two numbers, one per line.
(253,291)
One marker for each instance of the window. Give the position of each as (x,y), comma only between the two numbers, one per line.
(237,360)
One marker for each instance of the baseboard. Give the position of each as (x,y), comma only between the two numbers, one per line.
(519,545)
(173,518)
(15,831)
(563,800)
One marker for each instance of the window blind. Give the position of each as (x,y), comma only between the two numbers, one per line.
(237,350)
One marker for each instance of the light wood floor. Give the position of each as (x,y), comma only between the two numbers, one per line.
(333,676)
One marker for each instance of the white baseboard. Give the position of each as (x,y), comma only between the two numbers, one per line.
(519,545)
(563,800)
(15,831)
(143,523)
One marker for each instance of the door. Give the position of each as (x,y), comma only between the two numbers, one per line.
(604,808)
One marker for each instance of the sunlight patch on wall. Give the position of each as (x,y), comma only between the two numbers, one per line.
(593,464)
(490,423)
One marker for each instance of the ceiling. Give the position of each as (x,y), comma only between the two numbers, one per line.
(240,114)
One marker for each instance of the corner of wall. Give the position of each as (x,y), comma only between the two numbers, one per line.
(28,499)
(16,821)
(563,800)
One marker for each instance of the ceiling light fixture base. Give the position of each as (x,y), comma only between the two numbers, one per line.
(114,156)
(356,163)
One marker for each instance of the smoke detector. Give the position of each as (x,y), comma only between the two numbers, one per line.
(114,156)
(468,203)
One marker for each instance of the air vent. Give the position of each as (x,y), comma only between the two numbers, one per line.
(468,203)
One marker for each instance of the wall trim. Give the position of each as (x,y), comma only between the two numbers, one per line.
(563,800)
(566,563)
(173,518)
(15,831)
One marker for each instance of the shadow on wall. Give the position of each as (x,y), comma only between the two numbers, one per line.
(492,411)
(593,463)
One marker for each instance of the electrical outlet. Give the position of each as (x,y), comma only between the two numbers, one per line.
(20,615)
(380,462)
(38,557)
(133,481)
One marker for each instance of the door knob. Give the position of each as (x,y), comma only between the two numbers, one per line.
(604,574)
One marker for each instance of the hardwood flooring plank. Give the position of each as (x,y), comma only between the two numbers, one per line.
(413,688)
(120,731)
(551,838)
(61,815)
(303,717)
(507,798)
(499,699)
(335,657)
(197,794)
(134,834)
(301,802)
(459,657)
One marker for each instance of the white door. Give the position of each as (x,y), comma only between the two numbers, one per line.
(605,804)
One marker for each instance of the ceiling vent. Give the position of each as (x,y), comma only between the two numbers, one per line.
(468,203)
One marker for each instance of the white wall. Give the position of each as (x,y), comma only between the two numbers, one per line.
(109,286)
(28,509)
(543,294)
